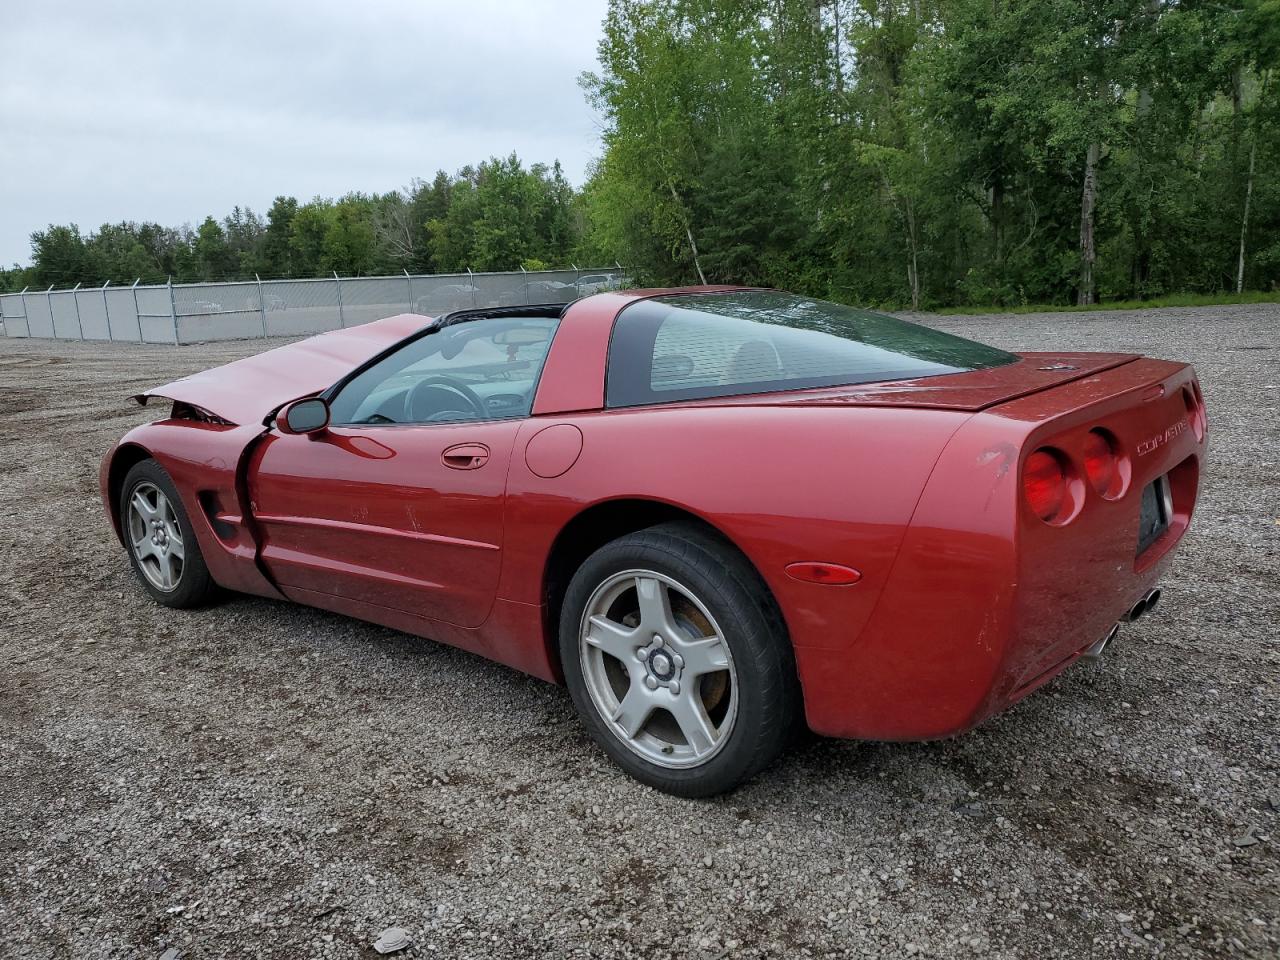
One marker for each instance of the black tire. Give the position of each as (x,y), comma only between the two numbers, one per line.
(193,586)
(768,693)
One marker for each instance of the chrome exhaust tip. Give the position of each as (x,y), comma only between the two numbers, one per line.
(1152,599)
(1143,606)
(1137,610)
(1096,651)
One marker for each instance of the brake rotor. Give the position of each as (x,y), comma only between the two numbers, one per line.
(713,686)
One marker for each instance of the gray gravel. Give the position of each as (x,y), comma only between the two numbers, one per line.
(263,780)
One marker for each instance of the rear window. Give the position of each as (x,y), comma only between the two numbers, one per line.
(692,346)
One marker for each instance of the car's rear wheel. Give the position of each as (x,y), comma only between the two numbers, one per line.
(162,546)
(677,660)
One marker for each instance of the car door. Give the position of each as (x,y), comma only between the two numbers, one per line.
(399,501)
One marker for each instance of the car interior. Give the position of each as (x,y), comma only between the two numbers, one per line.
(473,365)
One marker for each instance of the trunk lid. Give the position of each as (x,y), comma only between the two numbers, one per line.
(972,391)
(1077,574)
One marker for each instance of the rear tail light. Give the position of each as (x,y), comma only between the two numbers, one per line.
(1107,470)
(1046,482)
(1194,401)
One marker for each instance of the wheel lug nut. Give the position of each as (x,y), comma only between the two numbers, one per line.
(651,683)
(679,660)
(674,687)
(642,654)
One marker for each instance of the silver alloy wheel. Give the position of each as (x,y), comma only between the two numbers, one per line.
(658,668)
(155,536)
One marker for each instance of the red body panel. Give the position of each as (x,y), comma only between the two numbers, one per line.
(986,601)
(202,459)
(407,533)
(965,600)
(972,391)
(245,391)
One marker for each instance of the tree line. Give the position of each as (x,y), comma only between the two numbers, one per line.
(938,152)
(888,152)
(497,215)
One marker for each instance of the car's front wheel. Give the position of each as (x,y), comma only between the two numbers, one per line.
(162,546)
(677,660)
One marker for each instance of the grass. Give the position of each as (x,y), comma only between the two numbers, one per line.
(1172,300)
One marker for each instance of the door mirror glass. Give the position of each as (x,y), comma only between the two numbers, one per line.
(303,416)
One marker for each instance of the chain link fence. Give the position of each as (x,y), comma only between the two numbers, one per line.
(196,312)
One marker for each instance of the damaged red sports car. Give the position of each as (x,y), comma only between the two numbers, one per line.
(714,513)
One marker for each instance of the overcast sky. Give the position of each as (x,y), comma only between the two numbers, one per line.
(169,111)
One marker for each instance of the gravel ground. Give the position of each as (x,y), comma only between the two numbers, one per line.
(263,780)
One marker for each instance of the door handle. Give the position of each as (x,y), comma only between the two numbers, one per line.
(465,456)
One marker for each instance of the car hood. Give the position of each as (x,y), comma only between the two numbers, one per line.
(247,391)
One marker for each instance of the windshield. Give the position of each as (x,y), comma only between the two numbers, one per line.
(694,346)
(484,369)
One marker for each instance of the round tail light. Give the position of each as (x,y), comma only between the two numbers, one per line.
(1106,470)
(1045,483)
(1195,409)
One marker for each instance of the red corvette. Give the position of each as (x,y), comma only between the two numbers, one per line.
(710,512)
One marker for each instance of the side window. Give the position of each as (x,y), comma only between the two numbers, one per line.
(737,342)
(485,369)
(688,351)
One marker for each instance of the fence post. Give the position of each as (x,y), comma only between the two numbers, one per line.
(577,278)
(48,299)
(409,280)
(471,282)
(106,308)
(136,315)
(524,275)
(262,306)
(173,311)
(26,317)
(75,298)
(342,317)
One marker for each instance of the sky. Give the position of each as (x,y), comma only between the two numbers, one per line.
(171,111)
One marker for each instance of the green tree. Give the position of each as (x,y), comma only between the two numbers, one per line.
(307,230)
(213,256)
(914,151)
(349,247)
(59,256)
(277,248)
(14,279)
(452,234)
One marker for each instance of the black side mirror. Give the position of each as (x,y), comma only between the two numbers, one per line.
(303,416)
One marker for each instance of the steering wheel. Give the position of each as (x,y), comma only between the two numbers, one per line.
(426,398)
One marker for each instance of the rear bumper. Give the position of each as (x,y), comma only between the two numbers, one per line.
(986,603)
(954,689)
